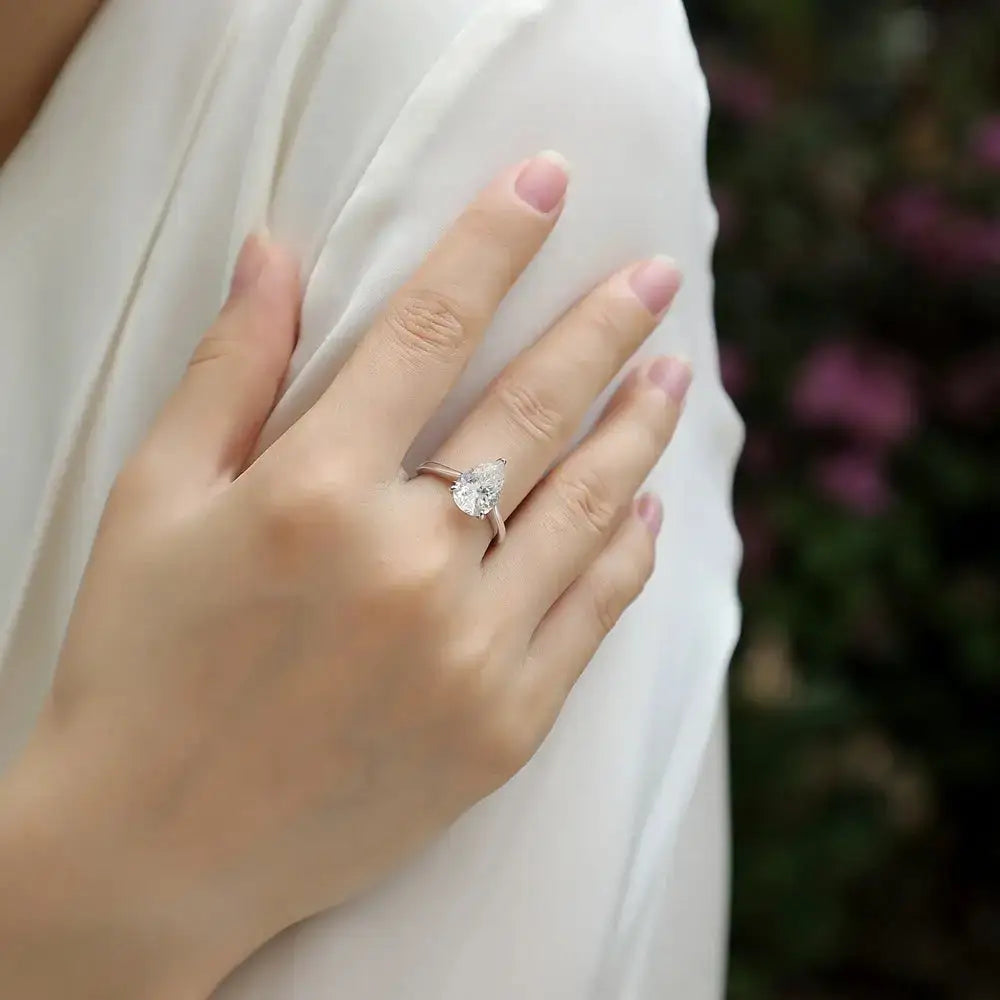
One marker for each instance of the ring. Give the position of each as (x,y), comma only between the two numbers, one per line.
(476,491)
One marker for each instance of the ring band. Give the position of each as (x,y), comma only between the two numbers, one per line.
(476,491)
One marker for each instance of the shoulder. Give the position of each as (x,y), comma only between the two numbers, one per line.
(379,46)
(473,83)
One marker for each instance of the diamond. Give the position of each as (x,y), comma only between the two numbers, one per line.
(477,490)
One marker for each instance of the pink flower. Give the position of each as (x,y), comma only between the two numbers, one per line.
(943,237)
(913,216)
(872,395)
(856,479)
(734,369)
(986,143)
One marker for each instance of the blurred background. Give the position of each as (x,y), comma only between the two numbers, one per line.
(855,155)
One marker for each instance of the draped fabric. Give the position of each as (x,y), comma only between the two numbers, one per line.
(356,129)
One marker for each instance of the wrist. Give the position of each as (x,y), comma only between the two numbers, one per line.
(71,916)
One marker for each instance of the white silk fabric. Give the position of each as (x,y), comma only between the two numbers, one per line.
(356,129)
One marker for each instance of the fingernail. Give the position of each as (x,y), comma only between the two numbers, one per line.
(650,510)
(655,283)
(542,181)
(249,264)
(672,375)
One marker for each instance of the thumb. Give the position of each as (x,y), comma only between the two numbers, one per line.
(208,427)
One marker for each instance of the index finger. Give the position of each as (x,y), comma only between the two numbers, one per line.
(404,366)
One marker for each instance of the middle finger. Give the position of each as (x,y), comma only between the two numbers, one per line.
(533,407)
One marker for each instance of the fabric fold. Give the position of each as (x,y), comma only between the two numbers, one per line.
(356,130)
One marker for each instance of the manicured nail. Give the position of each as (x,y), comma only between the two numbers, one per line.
(249,264)
(649,508)
(542,181)
(672,375)
(655,283)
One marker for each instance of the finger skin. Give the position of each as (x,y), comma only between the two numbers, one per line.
(404,366)
(568,519)
(569,635)
(532,409)
(205,431)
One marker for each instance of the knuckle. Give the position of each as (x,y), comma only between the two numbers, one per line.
(504,743)
(417,578)
(588,500)
(470,655)
(617,326)
(642,430)
(608,600)
(427,323)
(209,350)
(301,517)
(529,410)
(225,343)
(612,592)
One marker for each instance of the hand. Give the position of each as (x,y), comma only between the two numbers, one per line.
(286,671)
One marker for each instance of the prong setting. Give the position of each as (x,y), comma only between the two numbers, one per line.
(477,490)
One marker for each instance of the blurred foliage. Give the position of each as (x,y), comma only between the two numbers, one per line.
(855,156)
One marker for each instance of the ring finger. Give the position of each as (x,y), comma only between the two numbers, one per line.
(534,406)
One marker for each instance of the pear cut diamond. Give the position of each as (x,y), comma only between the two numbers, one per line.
(477,490)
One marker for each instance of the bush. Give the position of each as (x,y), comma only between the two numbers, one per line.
(855,155)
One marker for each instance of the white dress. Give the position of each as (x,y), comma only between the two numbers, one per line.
(356,129)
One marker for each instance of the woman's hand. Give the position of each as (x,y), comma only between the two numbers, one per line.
(286,671)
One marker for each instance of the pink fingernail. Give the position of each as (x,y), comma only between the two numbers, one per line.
(249,264)
(673,376)
(542,181)
(655,283)
(649,508)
